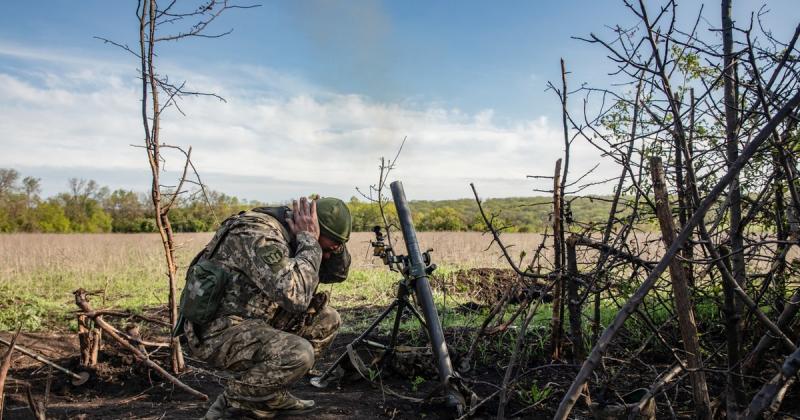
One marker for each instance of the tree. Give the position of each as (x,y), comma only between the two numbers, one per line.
(8,180)
(82,206)
(367,215)
(126,210)
(188,22)
(442,219)
(31,189)
(49,217)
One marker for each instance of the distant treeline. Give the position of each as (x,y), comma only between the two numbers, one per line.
(89,207)
(515,214)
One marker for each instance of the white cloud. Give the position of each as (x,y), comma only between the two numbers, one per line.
(274,127)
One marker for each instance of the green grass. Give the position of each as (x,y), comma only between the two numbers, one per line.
(43,300)
(367,292)
(48,302)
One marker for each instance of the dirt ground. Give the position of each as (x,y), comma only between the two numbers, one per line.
(121,388)
(488,285)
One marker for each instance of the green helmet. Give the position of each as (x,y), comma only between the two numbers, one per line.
(334,219)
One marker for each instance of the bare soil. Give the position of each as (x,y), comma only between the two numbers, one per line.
(121,388)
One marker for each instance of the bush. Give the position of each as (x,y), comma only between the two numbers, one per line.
(444,218)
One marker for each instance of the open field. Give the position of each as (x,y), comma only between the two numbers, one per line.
(38,272)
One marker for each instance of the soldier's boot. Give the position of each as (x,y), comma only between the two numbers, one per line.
(217,410)
(282,403)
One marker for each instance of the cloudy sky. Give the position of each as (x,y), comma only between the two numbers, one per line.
(317,92)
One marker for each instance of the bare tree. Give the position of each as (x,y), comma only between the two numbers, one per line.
(158,94)
(714,118)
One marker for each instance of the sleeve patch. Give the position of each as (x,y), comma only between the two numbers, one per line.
(272,255)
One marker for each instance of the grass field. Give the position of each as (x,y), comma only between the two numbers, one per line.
(38,272)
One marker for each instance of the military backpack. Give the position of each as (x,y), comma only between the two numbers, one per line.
(205,283)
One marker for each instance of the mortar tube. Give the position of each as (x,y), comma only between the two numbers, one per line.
(416,271)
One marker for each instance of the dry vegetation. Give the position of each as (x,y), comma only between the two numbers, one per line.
(26,257)
(38,272)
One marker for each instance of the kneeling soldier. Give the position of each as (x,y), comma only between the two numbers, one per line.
(250,305)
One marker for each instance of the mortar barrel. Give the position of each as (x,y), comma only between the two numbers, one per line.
(421,284)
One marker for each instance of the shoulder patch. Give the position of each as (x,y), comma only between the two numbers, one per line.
(272,255)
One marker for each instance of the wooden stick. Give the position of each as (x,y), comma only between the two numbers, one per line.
(656,387)
(773,388)
(555,321)
(575,309)
(38,408)
(680,291)
(77,378)
(767,340)
(108,312)
(80,300)
(608,249)
(90,339)
(4,366)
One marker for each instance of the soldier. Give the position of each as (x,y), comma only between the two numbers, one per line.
(251,306)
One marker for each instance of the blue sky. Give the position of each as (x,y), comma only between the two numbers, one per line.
(472,55)
(317,91)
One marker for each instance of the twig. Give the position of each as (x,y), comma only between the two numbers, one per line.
(77,378)
(4,366)
(503,248)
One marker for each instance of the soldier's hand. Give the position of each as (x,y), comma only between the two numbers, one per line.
(304,217)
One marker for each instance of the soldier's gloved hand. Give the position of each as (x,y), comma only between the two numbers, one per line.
(304,218)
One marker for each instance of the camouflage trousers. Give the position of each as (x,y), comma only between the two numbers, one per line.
(262,359)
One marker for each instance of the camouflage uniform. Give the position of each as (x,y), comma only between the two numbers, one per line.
(270,325)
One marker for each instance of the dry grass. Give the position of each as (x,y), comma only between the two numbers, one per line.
(454,249)
(38,272)
(90,257)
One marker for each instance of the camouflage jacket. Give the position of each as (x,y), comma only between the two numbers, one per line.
(272,271)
